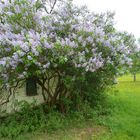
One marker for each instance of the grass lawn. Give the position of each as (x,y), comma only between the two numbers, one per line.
(123,123)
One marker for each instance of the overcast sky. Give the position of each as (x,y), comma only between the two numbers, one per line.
(127,12)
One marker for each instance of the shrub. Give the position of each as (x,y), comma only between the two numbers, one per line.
(71,53)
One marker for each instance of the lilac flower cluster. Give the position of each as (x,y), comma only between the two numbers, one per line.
(44,41)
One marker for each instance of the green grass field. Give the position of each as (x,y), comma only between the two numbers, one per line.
(122,123)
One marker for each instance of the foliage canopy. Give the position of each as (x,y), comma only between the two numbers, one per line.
(71,51)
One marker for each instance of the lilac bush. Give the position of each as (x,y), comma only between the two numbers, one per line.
(35,43)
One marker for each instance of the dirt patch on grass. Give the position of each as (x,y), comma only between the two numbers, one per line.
(87,133)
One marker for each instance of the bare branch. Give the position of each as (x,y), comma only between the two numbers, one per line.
(52,7)
(51,4)
(42,85)
(8,97)
(11,91)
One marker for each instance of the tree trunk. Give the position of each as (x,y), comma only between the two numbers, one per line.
(134,77)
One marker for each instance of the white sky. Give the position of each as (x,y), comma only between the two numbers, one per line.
(127,12)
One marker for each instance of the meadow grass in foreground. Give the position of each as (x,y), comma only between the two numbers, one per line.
(123,122)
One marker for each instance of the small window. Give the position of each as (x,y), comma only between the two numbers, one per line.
(31,86)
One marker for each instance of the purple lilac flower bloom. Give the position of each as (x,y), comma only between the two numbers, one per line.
(29,57)
(17,9)
(2,62)
(47,45)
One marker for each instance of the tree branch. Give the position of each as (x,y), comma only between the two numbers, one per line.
(51,6)
(10,92)
(42,85)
